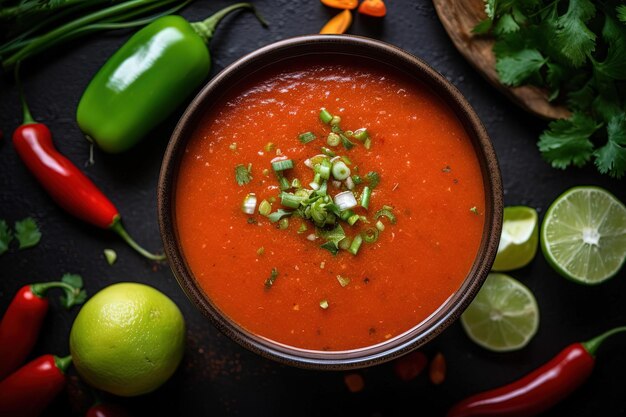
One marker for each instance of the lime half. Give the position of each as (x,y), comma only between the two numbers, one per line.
(519,239)
(504,316)
(583,235)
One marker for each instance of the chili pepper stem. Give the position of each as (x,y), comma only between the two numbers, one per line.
(63,363)
(40,289)
(28,118)
(592,345)
(119,229)
(206,28)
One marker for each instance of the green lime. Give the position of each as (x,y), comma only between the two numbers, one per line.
(504,316)
(583,235)
(128,339)
(519,239)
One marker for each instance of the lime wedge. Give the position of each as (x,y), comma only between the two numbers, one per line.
(583,235)
(519,239)
(504,316)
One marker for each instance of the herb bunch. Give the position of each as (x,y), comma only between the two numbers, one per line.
(576,50)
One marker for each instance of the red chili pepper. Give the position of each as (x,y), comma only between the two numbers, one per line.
(106,410)
(21,324)
(541,389)
(29,390)
(65,183)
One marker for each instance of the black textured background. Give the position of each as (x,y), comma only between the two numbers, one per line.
(217,377)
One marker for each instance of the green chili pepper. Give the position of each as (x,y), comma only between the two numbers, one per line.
(147,79)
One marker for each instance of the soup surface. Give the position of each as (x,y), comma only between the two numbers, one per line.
(428,173)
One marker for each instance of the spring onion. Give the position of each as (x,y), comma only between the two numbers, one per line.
(348,133)
(345,200)
(291,200)
(311,237)
(269,147)
(349,183)
(336,184)
(474,210)
(233,146)
(365,197)
(265,208)
(325,116)
(270,281)
(260,251)
(314,185)
(373,178)
(345,243)
(323,190)
(367,144)
(279,214)
(353,219)
(357,179)
(333,139)
(283,182)
(249,203)
(343,281)
(380,225)
(306,137)
(323,169)
(370,235)
(283,223)
(361,135)
(282,165)
(324,304)
(346,142)
(328,152)
(386,212)
(355,245)
(302,228)
(340,171)
(346,214)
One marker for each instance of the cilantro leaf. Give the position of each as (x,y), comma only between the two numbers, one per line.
(519,66)
(332,237)
(568,141)
(242,174)
(611,158)
(77,295)
(577,41)
(506,24)
(6,236)
(614,65)
(74,280)
(373,178)
(27,233)
(621,12)
(483,27)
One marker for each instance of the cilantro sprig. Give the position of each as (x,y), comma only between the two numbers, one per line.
(26,232)
(576,50)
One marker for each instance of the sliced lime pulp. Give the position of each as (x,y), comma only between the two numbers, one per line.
(519,239)
(583,235)
(504,316)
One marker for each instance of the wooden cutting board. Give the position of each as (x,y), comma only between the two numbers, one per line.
(459,18)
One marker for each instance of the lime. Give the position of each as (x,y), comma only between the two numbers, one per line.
(128,339)
(504,316)
(519,239)
(583,235)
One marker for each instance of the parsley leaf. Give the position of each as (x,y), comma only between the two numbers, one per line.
(611,158)
(517,67)
(577,41)
(6,236)
(242,174)
(568,141)
(27,233)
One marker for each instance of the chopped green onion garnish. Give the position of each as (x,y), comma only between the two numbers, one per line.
(110,256)
(361,134)
(346,160)
(302,228)
(474,210)
(265,208)
(269,147)
(266,172)
(343,281)
(291,200)
(370,235)
(380,225)
(353,219)
(345,200)
(306,137)
(346,214)
(346,142)
(317,179)
(324,169)
(335,121)
(278,214)
(331,247)
(249,203)
(355,245)
(283,223)
(323,189)
(282,165)
(386,212)
(325,116)
(373,178)
(333,139)
(349,183)
(242,174)
(296,183)
(345,243)
(340,170)
(357,179)
(328,152)
(270,281)
(365,197)
(348,133)
(283,183)
(367,144)
(324,304)
(260,251)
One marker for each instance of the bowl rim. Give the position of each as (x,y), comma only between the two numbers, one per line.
(388,55)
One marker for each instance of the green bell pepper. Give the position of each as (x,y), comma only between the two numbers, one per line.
(147,79)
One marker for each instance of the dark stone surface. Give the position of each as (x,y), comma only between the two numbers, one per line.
(218,377)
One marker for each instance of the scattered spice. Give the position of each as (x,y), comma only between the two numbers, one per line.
(437,371)
(409,366)
(354,382)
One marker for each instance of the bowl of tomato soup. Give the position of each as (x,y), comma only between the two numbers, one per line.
(330,202)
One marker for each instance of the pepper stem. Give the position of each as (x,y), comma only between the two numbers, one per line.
(28,118)
(40,289)
(119,229)
(592,345)
(206,28)
(63,363)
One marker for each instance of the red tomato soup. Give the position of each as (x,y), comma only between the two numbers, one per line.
(429,174)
